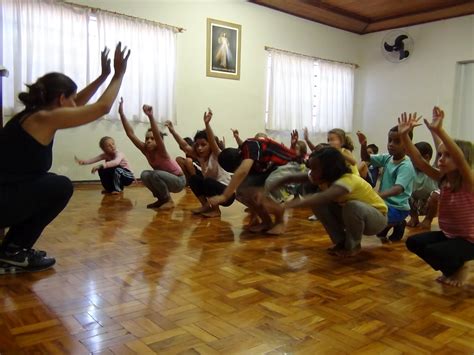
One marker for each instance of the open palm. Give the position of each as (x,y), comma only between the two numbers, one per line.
(437,121)
(406,122)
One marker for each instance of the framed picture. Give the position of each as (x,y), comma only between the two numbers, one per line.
(223,49)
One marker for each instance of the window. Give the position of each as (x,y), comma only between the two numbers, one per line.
(307,92)
(44,36)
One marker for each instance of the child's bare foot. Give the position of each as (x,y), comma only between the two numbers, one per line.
(458,278)
(343,253)
(277,229)
(116,192)
(258,228)
(214,212)
(201,210)
(426,224)
(413,222)
(163,204)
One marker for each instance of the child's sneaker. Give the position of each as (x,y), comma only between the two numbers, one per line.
(312,218)
(24,261)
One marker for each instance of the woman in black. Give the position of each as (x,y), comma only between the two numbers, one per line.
(30,197)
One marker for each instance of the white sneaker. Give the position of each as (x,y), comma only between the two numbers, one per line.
(312,218)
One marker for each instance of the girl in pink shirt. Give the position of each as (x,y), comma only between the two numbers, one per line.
(115,173)
(166,175)
(447,250)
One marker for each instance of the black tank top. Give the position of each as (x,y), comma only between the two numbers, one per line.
(22,158)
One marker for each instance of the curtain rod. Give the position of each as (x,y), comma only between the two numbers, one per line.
(94,9)
(267,48)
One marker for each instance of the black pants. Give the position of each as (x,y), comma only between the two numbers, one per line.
(441,253)
(208,187)
(114,179)
(28,207)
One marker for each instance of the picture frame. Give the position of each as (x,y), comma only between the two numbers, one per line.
(223,49)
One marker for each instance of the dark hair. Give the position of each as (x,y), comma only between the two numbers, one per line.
(374,148)
(332,163)
(346,141)
(189,140)
(230,159)
(162,134)
(103,140)
(47,90)
(395,129)
(425,149)
(200,135)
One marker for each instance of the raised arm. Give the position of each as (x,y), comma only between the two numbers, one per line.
(436,142)
(129,130)
(183,145)
(237,138)
(293,139)
(364,155)
(306,139)
(160,144)
(407,123)
(85,94)
(455,152)
(68,117)
(210,134)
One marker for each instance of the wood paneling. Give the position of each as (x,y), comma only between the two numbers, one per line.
(133,280)
(371,15)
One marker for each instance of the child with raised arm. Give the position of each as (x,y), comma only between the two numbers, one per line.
(348,207)
(449,249)
(166,175)
(115,173)
(397,182)
(214,179)
(31,196)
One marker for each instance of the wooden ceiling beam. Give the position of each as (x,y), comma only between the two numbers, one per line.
(423,17)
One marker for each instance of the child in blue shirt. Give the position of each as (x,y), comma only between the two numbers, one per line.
(397,182)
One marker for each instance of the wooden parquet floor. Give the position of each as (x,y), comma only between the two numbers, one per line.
(132,280)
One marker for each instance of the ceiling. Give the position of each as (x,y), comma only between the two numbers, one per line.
(366,16)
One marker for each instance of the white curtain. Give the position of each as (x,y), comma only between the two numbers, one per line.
(307,92)
(40,37)
(335,97)
(44,36)
(151,70)
(463,115)
(290,91)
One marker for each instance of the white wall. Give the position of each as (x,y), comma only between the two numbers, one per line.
(426,79)
(236,104)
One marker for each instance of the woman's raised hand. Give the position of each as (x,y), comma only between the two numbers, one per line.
(105,62)
(120,59)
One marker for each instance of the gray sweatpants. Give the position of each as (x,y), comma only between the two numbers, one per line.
(161,183)
(346,223)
